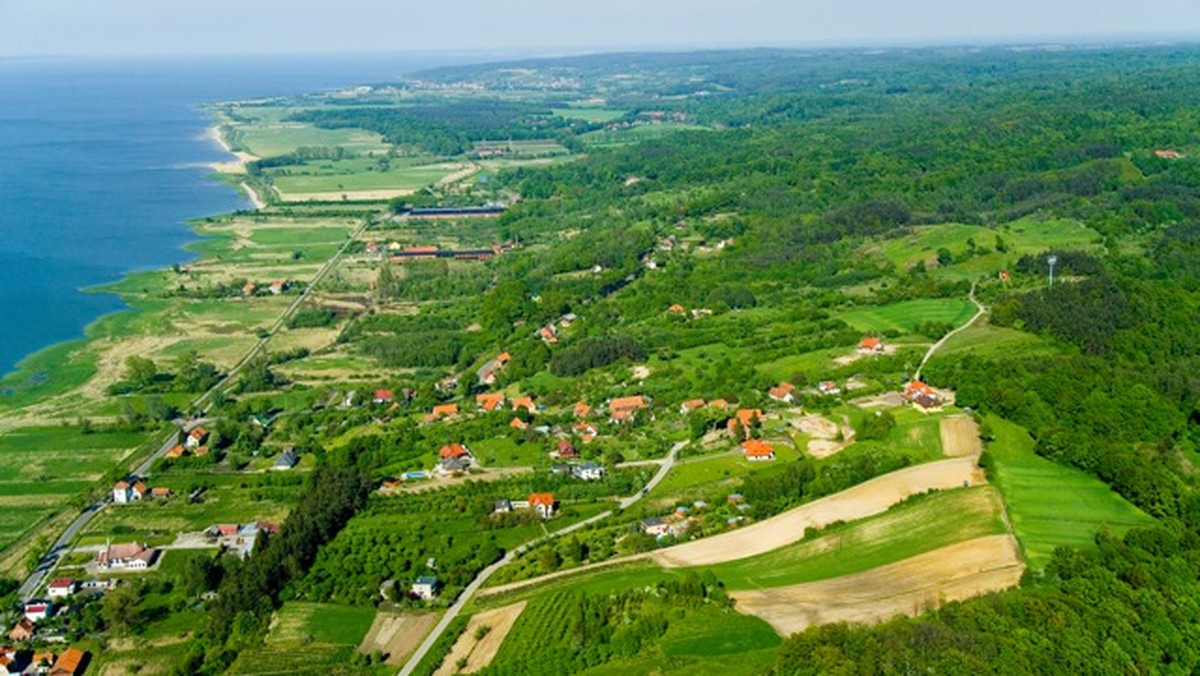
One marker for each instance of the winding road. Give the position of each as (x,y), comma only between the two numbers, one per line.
(471,589)
(934,348)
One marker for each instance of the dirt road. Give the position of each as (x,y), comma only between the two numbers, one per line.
(908,587)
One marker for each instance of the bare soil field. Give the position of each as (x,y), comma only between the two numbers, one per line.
(865,499)
(824,434)
(908,587)
(960,436)
(856,355)
(480,653)
(888,400)
(397,634)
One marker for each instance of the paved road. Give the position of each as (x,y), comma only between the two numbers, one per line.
(206,398)
(658,476)
(61,546)
(50,561)
(511,556)
(948,336)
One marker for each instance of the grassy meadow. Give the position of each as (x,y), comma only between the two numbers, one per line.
(1052,505)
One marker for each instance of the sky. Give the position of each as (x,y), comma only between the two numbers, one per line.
(232,27)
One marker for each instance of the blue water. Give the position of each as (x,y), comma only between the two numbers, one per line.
(102,161)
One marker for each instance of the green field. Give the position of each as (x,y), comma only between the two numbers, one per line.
(1026,236)
(985,340)
(353,179)
(308,638)
(229,499)
(905,315)
(914,527)
(1051,505)
(710,642)
(588,114)
(281,138)
(41,468)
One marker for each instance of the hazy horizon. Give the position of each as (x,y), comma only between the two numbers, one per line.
(520,28)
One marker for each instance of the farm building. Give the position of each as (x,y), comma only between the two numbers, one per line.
(128,556)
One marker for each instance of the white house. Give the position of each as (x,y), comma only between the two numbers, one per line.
(654,526)
(588,471)
(425,588)
(120,493)
(37,610)
(60,588)
(128,556)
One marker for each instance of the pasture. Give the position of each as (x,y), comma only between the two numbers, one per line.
(275,138)
(1025,236)
(905,315)
(42,468)
(1052,505)
(588,114)
(307,638)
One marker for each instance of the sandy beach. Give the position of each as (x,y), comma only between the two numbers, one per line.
(236,166)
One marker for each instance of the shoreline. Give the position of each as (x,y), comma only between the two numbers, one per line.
(236,166)
(17,380)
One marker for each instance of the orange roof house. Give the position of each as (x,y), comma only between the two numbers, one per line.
(196,437)
(627,403)
(922,395)
(518,424)
(743,420)
(503,358)
(691,405)
(384,396)
(757,449)
(524,402)
(585,431)
(490,401)
(160,492)
(719,404)
(781,392)
(442,411)
(454,451)
(542,503)
(676,308)
(582,410)
(248,288)
(140,488)
(69,663)
(176,451)
(870,344)
(200,451)
(1168,154)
